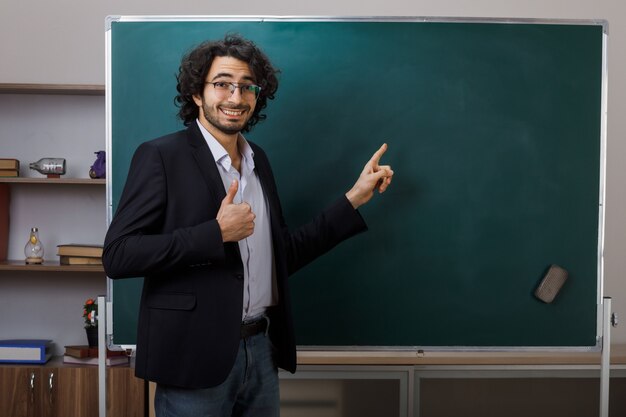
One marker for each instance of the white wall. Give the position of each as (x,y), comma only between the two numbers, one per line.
(63,42)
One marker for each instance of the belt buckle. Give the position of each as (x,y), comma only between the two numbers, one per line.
(255,327)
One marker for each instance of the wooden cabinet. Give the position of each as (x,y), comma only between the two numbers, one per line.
(57,390)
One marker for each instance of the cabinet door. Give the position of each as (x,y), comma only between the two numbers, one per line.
(126,394)
(22,391)
(15,395)
(73,391)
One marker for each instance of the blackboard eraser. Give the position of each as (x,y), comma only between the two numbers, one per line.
(551,284)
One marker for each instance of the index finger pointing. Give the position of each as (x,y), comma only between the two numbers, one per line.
(379,153)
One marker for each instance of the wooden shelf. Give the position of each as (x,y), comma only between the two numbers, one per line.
(48,266)
(74,181)
(60,89)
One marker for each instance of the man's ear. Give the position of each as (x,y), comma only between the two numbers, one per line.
(197,99)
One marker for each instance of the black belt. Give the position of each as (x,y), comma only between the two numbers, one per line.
(254,328)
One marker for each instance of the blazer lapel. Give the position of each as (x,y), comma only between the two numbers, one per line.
(267,183)
(206,163)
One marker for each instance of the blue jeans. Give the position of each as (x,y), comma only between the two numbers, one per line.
(251,388)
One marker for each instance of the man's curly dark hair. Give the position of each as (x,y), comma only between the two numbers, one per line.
(196,64)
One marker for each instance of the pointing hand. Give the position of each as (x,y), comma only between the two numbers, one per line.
(373,176)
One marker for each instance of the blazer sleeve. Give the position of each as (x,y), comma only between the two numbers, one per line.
(135,243)
(338,222)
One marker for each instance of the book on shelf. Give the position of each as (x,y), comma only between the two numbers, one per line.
(9,172)
(25,350)
(77,249)
(79,260)
(84,351)
(5,200)
(9,163)
(112,361)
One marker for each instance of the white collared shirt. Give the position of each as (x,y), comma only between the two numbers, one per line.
(256,250)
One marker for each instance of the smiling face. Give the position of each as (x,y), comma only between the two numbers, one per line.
(227,115)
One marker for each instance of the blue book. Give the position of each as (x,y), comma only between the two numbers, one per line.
(25,350)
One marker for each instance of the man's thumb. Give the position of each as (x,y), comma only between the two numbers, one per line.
(232,192)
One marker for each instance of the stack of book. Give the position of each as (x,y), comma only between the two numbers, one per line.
(85,355)
(25,350)
(9,167)
(79,254)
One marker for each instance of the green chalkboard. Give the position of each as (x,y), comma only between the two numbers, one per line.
(495,133)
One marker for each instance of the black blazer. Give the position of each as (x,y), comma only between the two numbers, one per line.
(191,305)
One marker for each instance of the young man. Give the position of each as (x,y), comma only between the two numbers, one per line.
(201,220)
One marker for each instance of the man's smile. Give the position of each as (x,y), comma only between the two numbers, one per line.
(231,112)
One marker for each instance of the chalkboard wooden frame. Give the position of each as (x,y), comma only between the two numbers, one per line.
(355,321)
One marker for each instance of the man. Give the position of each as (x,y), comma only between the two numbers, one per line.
(200,219)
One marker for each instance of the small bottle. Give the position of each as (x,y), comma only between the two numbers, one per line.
(52,167)
(34,248)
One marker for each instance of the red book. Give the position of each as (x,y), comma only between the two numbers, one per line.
(84,351)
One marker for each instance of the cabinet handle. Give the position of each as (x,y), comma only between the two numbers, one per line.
(50,386)
(31,386)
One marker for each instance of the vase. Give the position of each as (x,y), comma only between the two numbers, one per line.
(92,336)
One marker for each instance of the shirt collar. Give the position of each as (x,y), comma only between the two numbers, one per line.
(221,156)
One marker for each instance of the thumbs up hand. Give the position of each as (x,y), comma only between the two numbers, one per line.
(236,220)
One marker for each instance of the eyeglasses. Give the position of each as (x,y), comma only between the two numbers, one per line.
(225,89)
